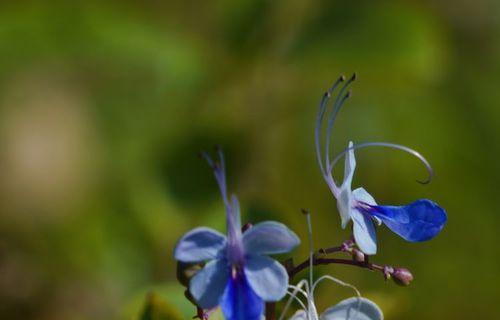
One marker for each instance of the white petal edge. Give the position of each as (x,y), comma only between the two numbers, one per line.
(364,232)
(355,308)
(344,200)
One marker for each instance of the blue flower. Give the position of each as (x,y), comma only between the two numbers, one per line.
(418,221)
(238,275)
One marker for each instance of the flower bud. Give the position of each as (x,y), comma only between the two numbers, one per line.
(185,271)
(358,256)
(402,276)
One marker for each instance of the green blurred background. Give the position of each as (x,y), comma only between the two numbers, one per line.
(105,104)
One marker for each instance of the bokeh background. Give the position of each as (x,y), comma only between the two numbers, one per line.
(105,104)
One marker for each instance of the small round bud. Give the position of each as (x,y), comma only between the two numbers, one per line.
(402,276)
(185,271)
(358,256)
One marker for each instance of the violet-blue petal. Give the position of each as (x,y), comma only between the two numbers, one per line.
(419,221)
(239,301)
(208,285)
(364,232)
(234,220)
(200,244)
(235,250)
(269,237)
(267,277)
(355,308)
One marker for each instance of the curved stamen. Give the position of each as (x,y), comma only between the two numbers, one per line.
(296,289)
(319,121)
(388,145)
(339,101)
(311,245)
(340,282)
(302,305)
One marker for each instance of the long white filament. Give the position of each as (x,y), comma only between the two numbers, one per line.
(293,295)
(388,145)
(340,282)
(311,248)
(339,101)
(321,113)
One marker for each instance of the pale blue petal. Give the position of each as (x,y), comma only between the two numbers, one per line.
(208,285)
(269,238)
(360,194)
(344,205)
(267,277)
(200,244)
(344,200)
(353,309)
(364,232)
(239,301)
(349,166)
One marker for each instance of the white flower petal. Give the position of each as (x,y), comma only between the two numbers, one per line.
(355,308)
(364,232)
(344,200)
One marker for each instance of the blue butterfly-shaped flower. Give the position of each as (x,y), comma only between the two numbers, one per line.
(418,221)
(238,275)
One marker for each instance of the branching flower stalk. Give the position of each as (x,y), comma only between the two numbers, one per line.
(234,272)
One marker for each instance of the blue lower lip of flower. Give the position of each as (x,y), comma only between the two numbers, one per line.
(239,301)
(418,221)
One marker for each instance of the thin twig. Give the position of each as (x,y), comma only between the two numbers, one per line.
(324,261)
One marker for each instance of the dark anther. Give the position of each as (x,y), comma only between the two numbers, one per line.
(246,226)
(304,211)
